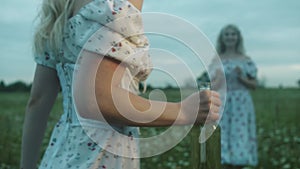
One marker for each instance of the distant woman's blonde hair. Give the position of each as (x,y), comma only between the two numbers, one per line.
(52,18)
(220,43)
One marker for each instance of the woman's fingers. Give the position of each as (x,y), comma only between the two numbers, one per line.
(208,98)
(210,103)
(208,108)
(212,117)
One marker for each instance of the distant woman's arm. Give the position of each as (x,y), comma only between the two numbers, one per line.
(248,82)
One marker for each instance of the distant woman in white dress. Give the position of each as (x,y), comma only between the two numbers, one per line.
(64,29)
(238,127)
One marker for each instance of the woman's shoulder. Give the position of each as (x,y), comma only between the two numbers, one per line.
(101,11)
(246,58)
(78,5)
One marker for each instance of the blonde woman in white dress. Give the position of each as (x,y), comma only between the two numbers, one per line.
(64,27)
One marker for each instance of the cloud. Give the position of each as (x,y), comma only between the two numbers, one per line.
(15,11)
(295,67)
(280,74)
(271,29)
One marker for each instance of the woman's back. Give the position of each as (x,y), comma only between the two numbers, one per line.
(77,141)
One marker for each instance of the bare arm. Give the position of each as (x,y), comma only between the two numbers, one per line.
(137,3)
(79,4)
(43,94)
(245,80)
(248,82)
(121,107)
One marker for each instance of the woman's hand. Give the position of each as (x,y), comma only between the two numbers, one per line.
(204,105)
(250,83)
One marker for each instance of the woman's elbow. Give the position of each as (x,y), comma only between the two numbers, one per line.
(253,85)
(33,101)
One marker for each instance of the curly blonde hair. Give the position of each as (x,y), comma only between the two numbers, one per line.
(52,19)
(240,44)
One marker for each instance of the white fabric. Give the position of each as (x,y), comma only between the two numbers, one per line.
(69,146)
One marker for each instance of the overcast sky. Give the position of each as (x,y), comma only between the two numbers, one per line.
(271,30)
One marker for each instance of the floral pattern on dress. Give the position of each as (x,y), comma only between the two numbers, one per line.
(238,136)
(69,145)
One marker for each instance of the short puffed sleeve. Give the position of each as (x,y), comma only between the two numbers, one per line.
(111,28)
(251,69)
(46,59)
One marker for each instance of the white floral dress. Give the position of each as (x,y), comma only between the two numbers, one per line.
(70,146)
(238,127)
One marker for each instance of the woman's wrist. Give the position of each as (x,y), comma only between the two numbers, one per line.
(247,82)
(182,118)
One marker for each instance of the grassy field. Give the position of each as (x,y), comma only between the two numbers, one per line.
(277,115)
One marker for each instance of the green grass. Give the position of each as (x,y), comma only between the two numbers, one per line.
(277,116)
(12,111)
